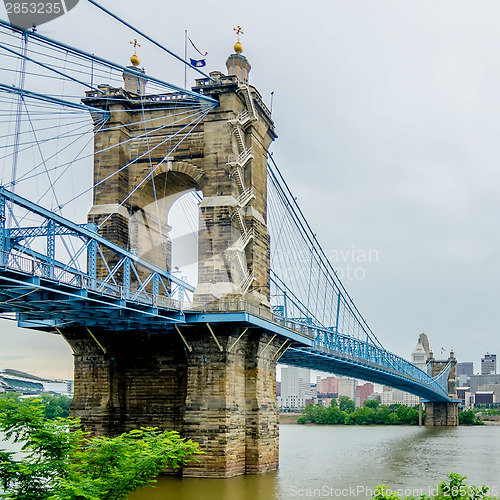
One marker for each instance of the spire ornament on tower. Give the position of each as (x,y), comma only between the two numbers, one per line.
(135,59)
(237,64)
(238,48)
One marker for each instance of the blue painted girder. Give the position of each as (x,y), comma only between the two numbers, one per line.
(358,368)
(41,303)
(304,352)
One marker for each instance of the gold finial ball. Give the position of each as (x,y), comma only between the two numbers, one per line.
(135,60)
(238,48)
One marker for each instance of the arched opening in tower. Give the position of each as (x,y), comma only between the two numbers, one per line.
(184,220)
(164,226)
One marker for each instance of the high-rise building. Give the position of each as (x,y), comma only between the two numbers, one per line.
(425,343)
(347,387)
(328,385)
(488,364)
(295,387)
(475,381)
(465,368)
(363,392)
(419,355)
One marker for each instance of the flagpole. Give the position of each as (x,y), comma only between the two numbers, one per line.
(185,56)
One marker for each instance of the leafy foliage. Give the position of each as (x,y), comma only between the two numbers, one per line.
(468,417)
(54,406)
(59,465)
(455,489)
(46,445)
(346,404)
(371,414)
(372,403)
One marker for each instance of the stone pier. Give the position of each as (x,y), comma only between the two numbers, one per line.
(221,393)
(441,414)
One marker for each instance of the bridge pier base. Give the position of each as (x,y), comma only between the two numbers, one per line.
(221,393)
(231,405)
(441,414)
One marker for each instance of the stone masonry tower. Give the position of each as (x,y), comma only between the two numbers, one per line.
(212,383)
(234,249)
(224,157)
(443,414)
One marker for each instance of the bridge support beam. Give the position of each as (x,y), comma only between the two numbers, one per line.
(220,394)
(441,414)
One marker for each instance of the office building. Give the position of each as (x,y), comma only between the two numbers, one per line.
(347,387)
(363,392)
(489,364)
(329,385)
(295,387)
(465,368)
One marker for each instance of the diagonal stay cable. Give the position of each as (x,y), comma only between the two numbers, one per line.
(133,161)
(157,166)
(91,155)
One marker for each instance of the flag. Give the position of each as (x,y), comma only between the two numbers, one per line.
(198,63)
(196,48)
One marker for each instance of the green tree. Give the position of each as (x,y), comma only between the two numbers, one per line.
(372,403)
(382,415)
(402,413)
(394,419)
(363,416)
(412,416)
(333,415)
(54,406)
(59,465)
(346,404)
(468,417)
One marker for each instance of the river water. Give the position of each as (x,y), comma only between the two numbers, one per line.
(348,462)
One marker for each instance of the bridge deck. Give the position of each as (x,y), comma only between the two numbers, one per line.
(45,304)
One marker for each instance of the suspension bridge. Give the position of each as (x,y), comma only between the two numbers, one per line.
(98,159)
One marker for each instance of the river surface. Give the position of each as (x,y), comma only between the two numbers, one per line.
(348,462)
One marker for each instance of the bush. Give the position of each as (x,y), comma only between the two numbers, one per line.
(455,489)
(54,406)
(468,417)
(369,414)
(61,465)
(371,403)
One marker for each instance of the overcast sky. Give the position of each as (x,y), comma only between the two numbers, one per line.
(388,116)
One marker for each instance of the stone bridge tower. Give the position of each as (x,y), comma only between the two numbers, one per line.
(224,156)
(443,414)
(212,383)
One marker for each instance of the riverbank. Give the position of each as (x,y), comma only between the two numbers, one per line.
(490,419)
(289,418)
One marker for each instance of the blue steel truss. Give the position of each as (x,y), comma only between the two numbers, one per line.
(130,286)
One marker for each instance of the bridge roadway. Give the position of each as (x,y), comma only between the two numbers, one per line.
(69,298)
